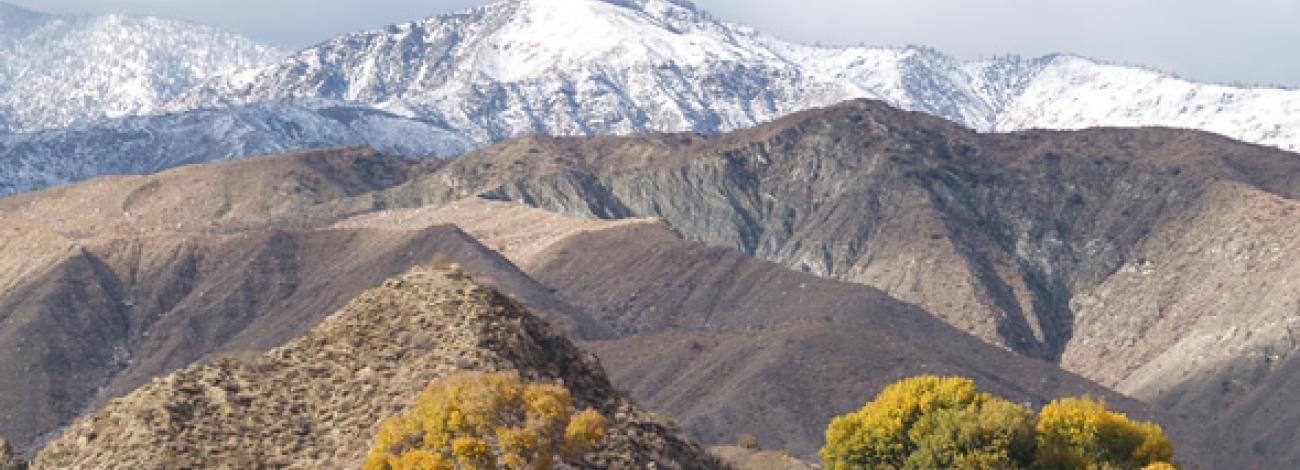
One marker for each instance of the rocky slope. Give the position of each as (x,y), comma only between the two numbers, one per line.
(842,193)
(1124,255)
(730,345)
(107,285)
(583,67)
(318,400)
(57,70)
(1110,252)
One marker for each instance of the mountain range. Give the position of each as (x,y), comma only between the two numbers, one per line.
(569,67)
(703,231)
(834,250)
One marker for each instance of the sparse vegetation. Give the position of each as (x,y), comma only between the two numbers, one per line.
(747,441)
(934,422)
(476,420)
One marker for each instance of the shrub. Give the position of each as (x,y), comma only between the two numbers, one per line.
(932,422)
(478,420)
(1081,433)
(747,441)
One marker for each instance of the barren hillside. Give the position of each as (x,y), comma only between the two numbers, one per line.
(317,401)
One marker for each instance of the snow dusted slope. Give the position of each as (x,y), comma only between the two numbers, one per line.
(607,66)
(554,66)
(1065,92)
(58,70)
(140,145)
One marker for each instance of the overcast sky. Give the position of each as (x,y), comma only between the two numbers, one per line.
(1252,41)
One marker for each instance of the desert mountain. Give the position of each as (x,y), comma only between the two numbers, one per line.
(317,401)
(57,70)
(135,278)
(1156,261)
(731,345)
(1094,250)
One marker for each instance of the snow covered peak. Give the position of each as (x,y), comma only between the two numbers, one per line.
(56,70)
(620,66)
(545,35)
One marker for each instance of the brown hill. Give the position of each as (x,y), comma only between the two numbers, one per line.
(317,401)
(994,233)
(112,313)
(1029,240)
(1113,252)
(730,345)
(297,190)
(108,283)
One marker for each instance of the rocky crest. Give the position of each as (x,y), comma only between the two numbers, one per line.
(318,400)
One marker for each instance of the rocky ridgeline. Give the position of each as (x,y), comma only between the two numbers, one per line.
(317,401)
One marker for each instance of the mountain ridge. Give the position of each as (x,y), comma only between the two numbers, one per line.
(1000,94)
(443,85)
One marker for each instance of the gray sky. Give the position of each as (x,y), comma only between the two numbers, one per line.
(1251,41)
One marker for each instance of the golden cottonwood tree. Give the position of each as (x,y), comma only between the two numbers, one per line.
(932,422)
(482,421)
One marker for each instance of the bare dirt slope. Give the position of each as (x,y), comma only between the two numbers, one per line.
(522,233)
(317,401)
(108,283)
(759,459)
(1157,261)
(731,345)
(297,190)
(112,313)
(993,233)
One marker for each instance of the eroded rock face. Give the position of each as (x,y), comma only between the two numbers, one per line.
(994,233)
(1156,261)
(317,401)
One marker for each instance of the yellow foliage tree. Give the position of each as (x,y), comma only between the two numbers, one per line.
(482,421)
(932,422)
(1079,433)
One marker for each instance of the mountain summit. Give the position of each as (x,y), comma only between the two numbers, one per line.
(579,67)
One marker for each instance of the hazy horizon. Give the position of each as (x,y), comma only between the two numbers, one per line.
(1247,42)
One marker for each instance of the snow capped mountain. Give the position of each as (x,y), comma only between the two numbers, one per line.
(140,145)
(606,66)
(1065,92)
(442,85)
(554,66)
(56,70)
